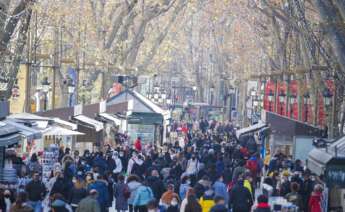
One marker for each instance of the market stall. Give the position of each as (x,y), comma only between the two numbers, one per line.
(329,164)
(93,132)
(145,119)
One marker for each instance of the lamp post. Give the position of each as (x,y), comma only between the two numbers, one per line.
(293,98)
(194,92)
(327,97)
(45,88)
(211,91)
(270,99)
(282,96)
(306,98)
(71,89)
(15,90)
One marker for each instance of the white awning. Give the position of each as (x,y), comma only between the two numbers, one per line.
(56,130)
(112,118)
(96,124)
(250,129)
(70,125)
(317,161)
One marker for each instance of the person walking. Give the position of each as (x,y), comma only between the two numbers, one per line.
(190,203)
(206,201)
(240,198)
(133,183)
(220,189)
(89,203)
(78,193)
(137,144)
(36,192)
(101,186)
(121,194)
(314,204)
(143,195)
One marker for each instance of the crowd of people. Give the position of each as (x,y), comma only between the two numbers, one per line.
(211,172)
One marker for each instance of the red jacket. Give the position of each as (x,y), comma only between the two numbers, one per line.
(315,202)
(137,145)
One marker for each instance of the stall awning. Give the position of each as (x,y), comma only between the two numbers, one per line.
(250,129)
(60,131)
(8,135)
(96,124)
(317,161)
(68,124)
(25,131)
(110,117)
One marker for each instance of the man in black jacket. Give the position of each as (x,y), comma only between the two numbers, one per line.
(36,192)
(240,198)
(156,184)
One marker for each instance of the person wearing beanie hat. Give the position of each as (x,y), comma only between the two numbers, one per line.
(89,203)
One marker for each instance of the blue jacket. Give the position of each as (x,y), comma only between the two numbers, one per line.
(143,195)
(183,190)
(101,187)
(220,190)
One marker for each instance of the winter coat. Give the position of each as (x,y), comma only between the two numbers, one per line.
(183,190)
(137,145)
(262,207)
(101,187)
(76,195)
(35,190)
(156,185)
(143,195)
(206,202)
(221,190)
(240,198)
(133,188)
(61,186)
(121,202)
(315,202)
(88,204)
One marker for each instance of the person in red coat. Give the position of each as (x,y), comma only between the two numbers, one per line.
(315,199)
(137,144)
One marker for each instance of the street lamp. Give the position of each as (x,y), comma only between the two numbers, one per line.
(282,96)
(211,91)
(71,89)
(293,99)
(327,96)
(45,88)
(15,90)
(270,99)
(306,98)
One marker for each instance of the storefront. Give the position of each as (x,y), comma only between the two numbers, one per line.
(146,120)
(290,136)
(51,132)
(329,164)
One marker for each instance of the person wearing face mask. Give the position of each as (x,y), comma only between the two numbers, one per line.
(174,205)
(220,189)
(77,193)
(118,164)
(192,167)
(185,185)
(168,196)
(131,163)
